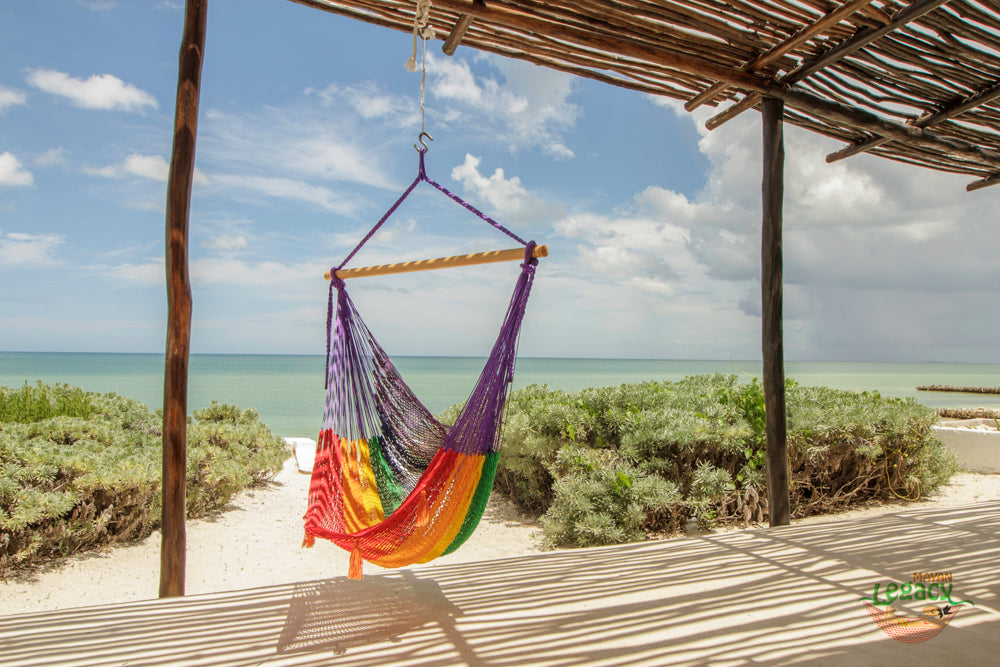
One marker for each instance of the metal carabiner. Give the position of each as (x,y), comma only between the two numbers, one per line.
(422,143)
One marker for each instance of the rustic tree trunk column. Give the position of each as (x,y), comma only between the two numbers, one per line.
(772,191)
(175,376)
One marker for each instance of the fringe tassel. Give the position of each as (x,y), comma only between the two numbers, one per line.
(354,571)
(308,541)
(423,511)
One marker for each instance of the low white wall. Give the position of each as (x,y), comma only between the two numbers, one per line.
(977,445)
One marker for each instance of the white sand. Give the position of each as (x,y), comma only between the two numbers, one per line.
(256,542)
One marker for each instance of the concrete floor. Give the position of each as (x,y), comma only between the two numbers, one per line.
(779,596)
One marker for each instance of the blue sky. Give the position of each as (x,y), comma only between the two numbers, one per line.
(306,132)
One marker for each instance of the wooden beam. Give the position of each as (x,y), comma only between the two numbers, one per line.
(927,120)
(772,343)
(456,34)
(861,39)
(458,31)
(866,121)
(779,50)
(489,257)
(175,376)
(727,114)
(993,179)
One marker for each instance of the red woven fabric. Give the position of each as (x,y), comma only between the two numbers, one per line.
(908,629)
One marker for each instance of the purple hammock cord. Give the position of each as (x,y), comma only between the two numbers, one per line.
(366,395)
(421,176)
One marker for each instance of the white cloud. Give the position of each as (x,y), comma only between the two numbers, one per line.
(98,5)
(12,172)
(274,276)
(153,167)
(877,255)
(52,157)
(369,101)
(226,242)
(10,97)
(100,91)
(530,108)
(148,273)
(28,250)
(634,249)
(287,188)
(293,141)
(505,195)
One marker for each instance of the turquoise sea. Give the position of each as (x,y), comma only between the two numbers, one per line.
(287,390)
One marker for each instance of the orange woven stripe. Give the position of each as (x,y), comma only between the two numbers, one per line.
(453,511)
(448,495)
(362,507)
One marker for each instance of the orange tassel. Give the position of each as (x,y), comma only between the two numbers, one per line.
(354,571)
(423,511)
(308,541)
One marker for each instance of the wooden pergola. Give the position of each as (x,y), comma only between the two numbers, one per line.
(916,82)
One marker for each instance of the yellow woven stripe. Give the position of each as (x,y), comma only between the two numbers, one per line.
(425,540)
(463,488)
(362,507)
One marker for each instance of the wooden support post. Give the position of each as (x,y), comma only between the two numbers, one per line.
(175,376)
(772,191)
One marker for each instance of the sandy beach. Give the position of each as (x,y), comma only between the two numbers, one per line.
(257,542)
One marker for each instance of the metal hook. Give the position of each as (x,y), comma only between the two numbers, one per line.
(421,140)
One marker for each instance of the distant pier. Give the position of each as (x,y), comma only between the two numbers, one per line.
(964,390)
(969,413)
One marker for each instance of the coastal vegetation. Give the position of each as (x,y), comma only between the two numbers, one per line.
(617,464)
(600,466)
(81,469)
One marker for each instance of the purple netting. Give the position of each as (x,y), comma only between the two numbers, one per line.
(366,396)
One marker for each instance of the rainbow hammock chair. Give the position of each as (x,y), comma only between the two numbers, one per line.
(390,483)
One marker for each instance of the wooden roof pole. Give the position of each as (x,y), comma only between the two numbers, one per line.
(861,39)
(793,42)
(772,337)
(992,179)
(459,30)
(927,120)
(513,18)
(456,34)
(175,376)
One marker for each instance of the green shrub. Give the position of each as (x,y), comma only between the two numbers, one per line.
(86,470)
(599,500)
(616,463)
(32,404)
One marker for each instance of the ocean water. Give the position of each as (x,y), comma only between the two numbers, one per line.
(288,392)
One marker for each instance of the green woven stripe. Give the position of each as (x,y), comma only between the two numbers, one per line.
(389,491)
(479,500)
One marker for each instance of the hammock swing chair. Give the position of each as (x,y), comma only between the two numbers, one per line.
(390,484)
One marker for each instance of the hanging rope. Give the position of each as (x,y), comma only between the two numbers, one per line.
(421,28)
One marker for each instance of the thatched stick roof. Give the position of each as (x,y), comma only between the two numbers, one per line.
(915,82)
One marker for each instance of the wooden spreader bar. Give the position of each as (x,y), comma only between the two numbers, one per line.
(488,257)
